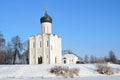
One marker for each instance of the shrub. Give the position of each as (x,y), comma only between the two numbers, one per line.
(64,71)
(80,62)
(104,69)
(101,61)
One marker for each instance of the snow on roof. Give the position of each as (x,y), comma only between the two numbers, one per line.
(69,56)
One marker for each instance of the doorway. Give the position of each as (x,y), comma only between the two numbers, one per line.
(64,61)
(39,60)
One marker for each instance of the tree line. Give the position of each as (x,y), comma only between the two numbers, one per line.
(111,58)
(13,52)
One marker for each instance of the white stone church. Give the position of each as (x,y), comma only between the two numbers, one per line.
(45,48)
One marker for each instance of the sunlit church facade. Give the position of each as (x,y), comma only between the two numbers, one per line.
(45,48)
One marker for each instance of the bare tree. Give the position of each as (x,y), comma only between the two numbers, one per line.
(93,59)
(68,52)
(2,57)
(2,45)
(25,55)
(106,59)
(112,57)
(17,47)
(9,53)
(2,42)
(101,60)
(86,59)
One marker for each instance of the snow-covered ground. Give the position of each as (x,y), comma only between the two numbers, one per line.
(38,72)
(80,78)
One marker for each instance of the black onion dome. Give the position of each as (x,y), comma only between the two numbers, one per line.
(46,18)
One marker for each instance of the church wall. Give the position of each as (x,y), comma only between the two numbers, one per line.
(38,47)
(32,50)
(42,50)
(46,46)
(55,49)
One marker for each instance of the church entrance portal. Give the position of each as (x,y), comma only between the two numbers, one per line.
(39,60)
(64,60)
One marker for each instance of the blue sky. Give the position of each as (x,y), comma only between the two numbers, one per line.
(86,26)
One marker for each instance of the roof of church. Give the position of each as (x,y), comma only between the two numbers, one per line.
(46,18)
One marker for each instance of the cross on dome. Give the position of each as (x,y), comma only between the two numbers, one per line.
(46,17)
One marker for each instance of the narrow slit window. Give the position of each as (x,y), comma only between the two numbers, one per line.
(47,44)
(33,44)
(40,44)
(44,29)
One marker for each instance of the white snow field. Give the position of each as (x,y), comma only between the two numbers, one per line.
(41,72)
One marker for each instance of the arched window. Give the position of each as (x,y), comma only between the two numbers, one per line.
(44,30)
(55,60)
(47,44)
(40,44)
(34,44)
